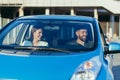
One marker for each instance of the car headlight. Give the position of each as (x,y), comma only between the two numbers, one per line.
(87,70)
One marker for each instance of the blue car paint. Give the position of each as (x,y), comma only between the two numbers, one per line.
(48,67)
(44,67)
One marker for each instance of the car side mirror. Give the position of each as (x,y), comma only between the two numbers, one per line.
(114,47)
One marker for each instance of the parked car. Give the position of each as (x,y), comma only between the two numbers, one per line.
(58,57)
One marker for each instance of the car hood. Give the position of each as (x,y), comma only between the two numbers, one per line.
(41,67)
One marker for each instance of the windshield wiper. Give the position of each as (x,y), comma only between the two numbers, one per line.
(42,49)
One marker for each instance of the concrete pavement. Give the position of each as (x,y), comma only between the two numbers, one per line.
(116,66)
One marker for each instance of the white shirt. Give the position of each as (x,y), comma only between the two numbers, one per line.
(40,43)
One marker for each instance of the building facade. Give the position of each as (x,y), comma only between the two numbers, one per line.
(106,11)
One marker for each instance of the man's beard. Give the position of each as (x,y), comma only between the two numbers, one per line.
(82,38)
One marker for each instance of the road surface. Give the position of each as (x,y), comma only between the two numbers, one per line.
(116,66)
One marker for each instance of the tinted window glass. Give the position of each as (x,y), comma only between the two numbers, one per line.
(51,34)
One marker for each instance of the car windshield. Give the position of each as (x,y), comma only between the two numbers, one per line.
(58,34)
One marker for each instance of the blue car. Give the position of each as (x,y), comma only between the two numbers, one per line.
(55,47)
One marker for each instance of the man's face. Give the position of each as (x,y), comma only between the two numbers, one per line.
(81,34)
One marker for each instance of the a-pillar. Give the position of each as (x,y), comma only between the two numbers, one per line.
(112,25)
(96,13)
(72,12)
(21,11)
(47,11)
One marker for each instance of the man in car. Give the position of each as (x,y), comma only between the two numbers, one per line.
(81,36)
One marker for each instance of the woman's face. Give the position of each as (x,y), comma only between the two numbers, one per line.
(37,34)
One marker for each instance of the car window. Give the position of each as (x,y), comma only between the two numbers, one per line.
(15,35)
(102,36)
(10,37)
(54,33)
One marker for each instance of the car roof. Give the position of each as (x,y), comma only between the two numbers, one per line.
(60,17)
